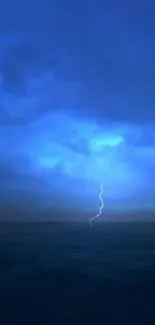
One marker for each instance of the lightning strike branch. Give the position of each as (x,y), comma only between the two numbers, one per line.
(101,207)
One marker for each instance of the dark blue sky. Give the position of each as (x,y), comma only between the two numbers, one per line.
(77,105)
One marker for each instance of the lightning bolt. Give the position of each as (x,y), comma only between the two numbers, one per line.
(101,207)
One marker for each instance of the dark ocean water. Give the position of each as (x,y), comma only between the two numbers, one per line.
(71,274)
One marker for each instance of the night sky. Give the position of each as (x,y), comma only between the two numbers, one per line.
(77,107)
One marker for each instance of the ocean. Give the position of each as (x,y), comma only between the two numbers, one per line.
(67,273)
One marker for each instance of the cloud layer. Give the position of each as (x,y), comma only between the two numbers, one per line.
(61,155)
